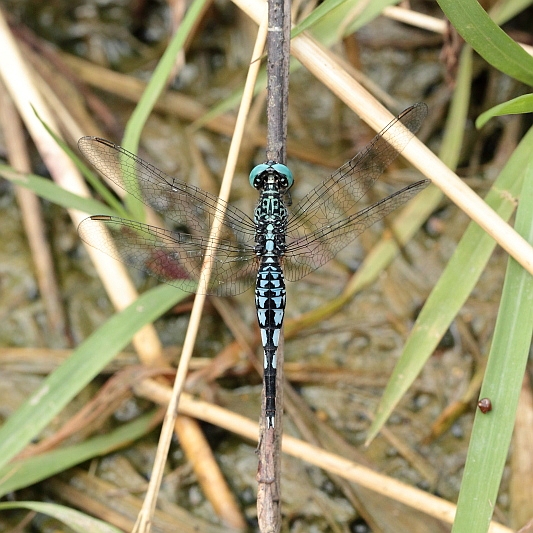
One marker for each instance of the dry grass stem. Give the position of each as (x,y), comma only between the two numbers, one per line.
(425,22)
(19,82)
(350,470)
(323,64)
(145,516)
(32,219)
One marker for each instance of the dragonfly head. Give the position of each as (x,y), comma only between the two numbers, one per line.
(271,172)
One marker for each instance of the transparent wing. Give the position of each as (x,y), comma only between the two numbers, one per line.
(315,249)
(188,207)
(172,257)
(328,218)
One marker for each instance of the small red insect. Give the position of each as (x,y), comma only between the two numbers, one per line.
(485,405)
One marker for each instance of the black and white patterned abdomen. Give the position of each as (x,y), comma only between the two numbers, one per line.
(270,303)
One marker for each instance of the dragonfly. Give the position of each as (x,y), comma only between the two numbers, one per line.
(281,242)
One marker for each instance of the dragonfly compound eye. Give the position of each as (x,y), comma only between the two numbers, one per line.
(256,179)
(286,173)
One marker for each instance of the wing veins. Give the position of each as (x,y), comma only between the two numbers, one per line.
(105,157)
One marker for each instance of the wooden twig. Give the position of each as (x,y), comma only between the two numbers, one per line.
(269,450)
(32,220)
(355,472)
(278,43)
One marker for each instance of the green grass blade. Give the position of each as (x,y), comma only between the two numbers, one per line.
(369,13)
(415,355)
(48,190)
(324,22)
(154,89)
(26,472)
(454,286)
(492,432)
(91,178)
(79,522)
(82,366)
(450,150)
(501,12)
(316,16)
(516,106)
(159,78)
(232,101)
(326,19)
(488,39)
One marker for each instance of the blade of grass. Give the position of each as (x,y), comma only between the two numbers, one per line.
(49,190)
(501,12)
(516,106)
(325,21)
(321,11)
(83,365)
(145,515)
(450,150)
(79,522)
(26,472)
(488,39)
(90,177)
(454,286)
(411,217)
(154,89)
(160,77)
(370,12)
(492,432)
(413,358)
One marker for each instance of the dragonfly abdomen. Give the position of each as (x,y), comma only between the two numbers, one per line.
(270,304)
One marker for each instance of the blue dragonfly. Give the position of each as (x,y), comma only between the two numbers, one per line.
(280,242)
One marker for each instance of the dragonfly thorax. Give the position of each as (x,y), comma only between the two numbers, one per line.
(270,220)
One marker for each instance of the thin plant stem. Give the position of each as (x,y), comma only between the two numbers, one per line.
(145,516)
(269,469)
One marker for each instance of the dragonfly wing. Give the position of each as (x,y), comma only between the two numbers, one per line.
(311,251)
(188,207)
(337,197)
(172,257)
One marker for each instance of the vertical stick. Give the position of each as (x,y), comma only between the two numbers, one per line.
(269,468)
(278,44)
